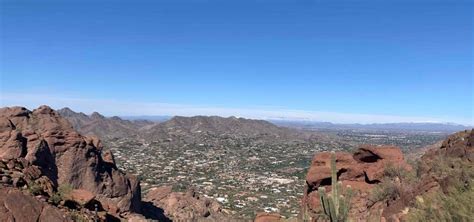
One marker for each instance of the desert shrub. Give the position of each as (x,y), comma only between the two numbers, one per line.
(385,190)
(456,205)
(55,199)
(78,217)
(63,191)
(392,171)
(35,188)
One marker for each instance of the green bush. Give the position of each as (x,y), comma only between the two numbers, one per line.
(392,171)
(79,217)
(35,188)
(55,199)
(386,190)
(63,191)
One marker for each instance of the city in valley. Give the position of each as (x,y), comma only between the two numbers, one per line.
(245,171)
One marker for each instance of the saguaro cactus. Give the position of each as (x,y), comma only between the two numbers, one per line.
(335,205)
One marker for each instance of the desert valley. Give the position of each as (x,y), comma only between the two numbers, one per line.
(216,169)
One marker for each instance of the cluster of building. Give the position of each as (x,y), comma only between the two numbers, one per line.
(245,175)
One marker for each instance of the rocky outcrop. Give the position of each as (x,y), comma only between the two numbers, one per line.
(268,217)
(361,171)
(442,167)
(51,153)
(18,206)
(180,206)
(459,145)
(367,167)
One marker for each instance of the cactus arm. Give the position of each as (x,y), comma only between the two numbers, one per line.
(334,190)
(324,200)
(332,209)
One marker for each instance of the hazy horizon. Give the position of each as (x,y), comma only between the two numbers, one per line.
(123,110)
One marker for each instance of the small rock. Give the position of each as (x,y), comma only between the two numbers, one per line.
(18,182)
(11,165)
(5,179)
(24,163)
(17,174)
(268,217)
(32,172)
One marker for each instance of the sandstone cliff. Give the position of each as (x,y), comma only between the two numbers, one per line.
(52,154)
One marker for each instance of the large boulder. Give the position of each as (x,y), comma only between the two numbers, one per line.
(182,206)
(268,217)
(49,144)
(361,170)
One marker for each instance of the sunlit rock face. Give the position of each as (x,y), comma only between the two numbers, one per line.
(361,170)
(48,142)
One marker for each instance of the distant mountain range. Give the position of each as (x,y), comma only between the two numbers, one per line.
(425,127)
(163,127)
(99,125)
(183,127)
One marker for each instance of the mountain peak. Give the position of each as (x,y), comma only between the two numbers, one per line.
(96,115)
(66,111)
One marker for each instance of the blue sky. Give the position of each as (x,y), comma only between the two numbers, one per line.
(340,61)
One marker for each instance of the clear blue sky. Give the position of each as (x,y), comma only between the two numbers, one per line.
(410,59)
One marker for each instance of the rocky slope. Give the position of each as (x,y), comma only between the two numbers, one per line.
(385,185)
(188,129)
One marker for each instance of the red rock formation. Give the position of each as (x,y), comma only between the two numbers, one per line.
(181,206)
(365,168)
(81,197)
(459,145)
(268,217)
(54,151)
(17,206)
(361,170)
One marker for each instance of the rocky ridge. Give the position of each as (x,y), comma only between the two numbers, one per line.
(186,129)
(101,126)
